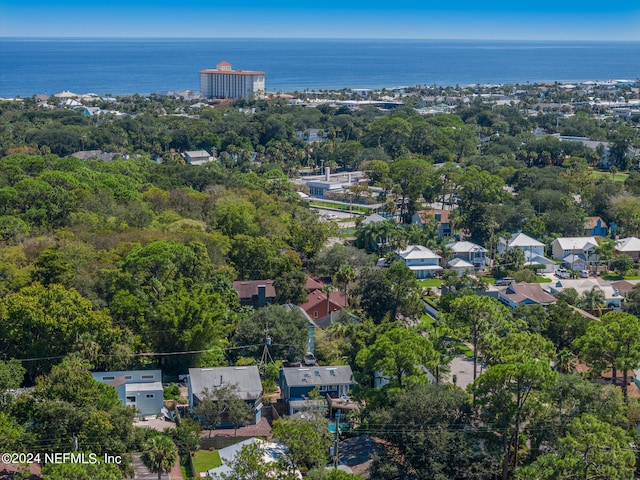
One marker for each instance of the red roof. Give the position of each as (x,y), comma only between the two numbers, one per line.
(336,300)
(313,284)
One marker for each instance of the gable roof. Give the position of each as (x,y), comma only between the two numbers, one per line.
(314,376)
(629,244)
(519,292)
(373,218)
(337,300)
(249,288)
(413,252)
(246,380)
(576,243)
(466,247)
(521,240)
(592,222)
(460,263)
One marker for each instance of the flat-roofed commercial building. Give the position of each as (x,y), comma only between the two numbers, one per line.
(223,82)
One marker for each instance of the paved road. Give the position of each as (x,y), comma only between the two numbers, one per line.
(462,368)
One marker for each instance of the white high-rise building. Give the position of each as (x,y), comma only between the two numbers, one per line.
(223,82)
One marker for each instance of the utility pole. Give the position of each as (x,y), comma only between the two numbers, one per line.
(337,440)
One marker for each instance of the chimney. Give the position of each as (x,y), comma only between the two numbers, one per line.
(327,174)
(262,295)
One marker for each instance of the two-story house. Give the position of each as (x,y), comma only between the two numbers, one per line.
(575,253)
(470,252)
(141,389)
(424,217)
(245,380)
(296,384)
(421,261)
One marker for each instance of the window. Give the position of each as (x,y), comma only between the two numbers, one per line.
(315,314)
(146,376)
(149,395)
(128,377)
(131,399)
(108,378)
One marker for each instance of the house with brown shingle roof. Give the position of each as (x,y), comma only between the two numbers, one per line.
(424,217)
(255,293)
(525,294)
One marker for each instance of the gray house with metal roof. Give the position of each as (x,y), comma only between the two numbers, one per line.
(297,383)
(141,389)
(245,379)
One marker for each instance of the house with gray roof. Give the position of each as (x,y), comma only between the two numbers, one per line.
(141,389)
(246,381)
(297,383)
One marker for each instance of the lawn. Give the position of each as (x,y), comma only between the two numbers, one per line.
(617,177)
(613,277)
(205,460)
(430,282)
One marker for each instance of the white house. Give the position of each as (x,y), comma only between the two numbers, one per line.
(630,246)
(421,261)
(470,252)
(574,252)
(197,157)
(524,242)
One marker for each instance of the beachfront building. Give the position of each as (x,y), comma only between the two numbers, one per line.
(223,82)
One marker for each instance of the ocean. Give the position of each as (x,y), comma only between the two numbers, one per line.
(126,66)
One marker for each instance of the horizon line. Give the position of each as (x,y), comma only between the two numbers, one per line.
(125,37)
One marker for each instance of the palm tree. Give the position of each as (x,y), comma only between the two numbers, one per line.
(160,454)
(592,299)
(566,361)
(327,289)
(345,274)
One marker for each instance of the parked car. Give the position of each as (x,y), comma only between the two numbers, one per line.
(501,282)
(563,273)
(584,273)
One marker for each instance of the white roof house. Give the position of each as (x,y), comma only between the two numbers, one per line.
(563,247)
(522,241)
(422,261)
(628,245)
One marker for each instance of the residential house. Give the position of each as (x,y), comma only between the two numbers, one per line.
(271,452)
(424,217)
(197,157)
(373,218)
(461,266)
(246,380)
(296,384)
(576,253)
(612,296)
(421,261)
(524,242)
(630,246)
(525,294)
(255,293)
(141,389)
(311,325)
(595,227)
(322,307)
(472,253)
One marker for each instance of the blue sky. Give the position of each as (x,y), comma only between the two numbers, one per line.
(461,19)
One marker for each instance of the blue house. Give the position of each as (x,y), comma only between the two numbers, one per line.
(297,383)
(141,389)
(595,227)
